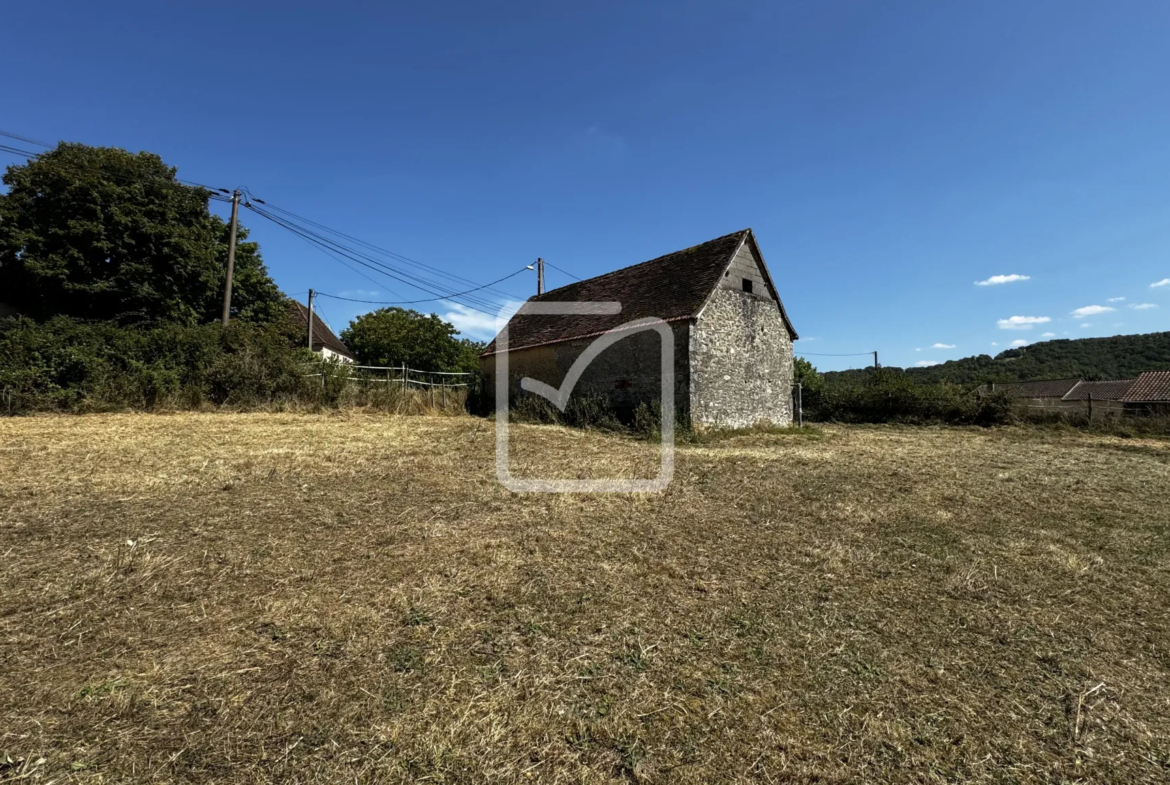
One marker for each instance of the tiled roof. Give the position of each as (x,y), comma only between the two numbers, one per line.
(1150,387)
(1101,391)
(672,288)
(322,335)
(1045,388)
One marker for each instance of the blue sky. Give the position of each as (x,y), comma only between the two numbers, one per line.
(887,155)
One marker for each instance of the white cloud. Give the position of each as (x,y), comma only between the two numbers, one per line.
(1115,300)
(1019,342)
(1142,306)
(360,294)
(1047,335)
(918,350)
(995,343)
(1022,322)
(473,324)
(1163,282)
(1087,324)
(1092,310)
(943,346)
(926,363)
(995,280)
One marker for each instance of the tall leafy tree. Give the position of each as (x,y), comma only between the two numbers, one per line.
(394,336)
(806,375)
(101,233)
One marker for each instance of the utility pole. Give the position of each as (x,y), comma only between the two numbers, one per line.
(310,320)
(540,276)
(876,365)
(231,269)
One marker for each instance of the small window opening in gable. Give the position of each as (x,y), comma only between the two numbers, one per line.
(747,285)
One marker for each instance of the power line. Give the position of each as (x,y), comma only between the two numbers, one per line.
(430,299)
(334,248)
(372,247)
(322,316)
(343,263)
(325,244)
(550,264)
(105,175)
(17,151)
(20,138)
(852,354)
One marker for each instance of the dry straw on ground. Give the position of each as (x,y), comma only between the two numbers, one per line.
(276,597)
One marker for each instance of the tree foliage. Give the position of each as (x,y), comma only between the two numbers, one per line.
(1116,357)
(72,365)
(889,395)
(101,233)
(399,336)
(806,375)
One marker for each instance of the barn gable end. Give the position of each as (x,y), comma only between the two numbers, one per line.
(733,339)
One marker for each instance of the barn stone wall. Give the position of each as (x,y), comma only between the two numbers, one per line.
(741,362)
(626,373)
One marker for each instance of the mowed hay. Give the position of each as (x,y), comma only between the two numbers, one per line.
(277,597)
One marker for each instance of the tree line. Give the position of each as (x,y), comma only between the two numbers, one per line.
(112,268)
(1115,357)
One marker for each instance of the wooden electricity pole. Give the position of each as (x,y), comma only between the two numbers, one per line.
(231,266)
(310,320)
(540,276)
(875,362)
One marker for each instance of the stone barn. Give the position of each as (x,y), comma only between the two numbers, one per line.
(733,359)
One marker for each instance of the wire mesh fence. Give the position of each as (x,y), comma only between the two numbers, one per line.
(397,388)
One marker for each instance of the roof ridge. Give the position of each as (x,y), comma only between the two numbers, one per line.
(648,261)
(1037,381)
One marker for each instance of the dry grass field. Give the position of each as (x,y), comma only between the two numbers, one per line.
(353,598)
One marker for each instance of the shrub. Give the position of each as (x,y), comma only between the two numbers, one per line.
(70,365)
(893,398)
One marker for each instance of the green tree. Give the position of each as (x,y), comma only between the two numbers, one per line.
(101,233)
(394,336)
(807,377)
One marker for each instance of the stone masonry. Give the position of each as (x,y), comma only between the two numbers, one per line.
(733,358)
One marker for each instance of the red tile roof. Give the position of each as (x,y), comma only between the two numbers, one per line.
(1150,387)
(672,288)
(1101,391)
(1045,388)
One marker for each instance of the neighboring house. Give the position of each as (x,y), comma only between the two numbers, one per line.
(1043,394)
(1150,394)
(1100,397)
(733,358)
(325,343)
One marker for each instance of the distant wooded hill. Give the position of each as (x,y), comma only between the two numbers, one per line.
(1119,357)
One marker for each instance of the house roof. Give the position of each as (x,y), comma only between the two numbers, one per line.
(1101,391)
(672,288)
(1150,387)
(1045,388)
(322,335)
